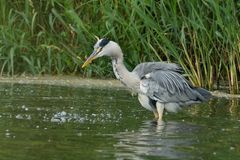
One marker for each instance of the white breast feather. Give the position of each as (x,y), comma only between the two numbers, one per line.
(114,69)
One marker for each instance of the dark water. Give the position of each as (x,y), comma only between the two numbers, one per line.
(49,122)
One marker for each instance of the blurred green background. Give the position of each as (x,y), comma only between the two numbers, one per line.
(55,36)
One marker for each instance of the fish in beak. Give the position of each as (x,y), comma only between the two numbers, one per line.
(92,57)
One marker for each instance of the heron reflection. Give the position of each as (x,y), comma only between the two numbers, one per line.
(157,139)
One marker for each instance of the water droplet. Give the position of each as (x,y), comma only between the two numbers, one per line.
(19,116)
(55,120)
(7,134)
(28,117)
(232,148)
(63,113)
(79,134)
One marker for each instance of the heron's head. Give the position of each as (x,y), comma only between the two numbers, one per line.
(104,47)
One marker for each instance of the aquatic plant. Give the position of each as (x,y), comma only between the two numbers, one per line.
(54,37)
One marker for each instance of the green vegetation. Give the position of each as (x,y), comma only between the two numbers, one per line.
(55,36)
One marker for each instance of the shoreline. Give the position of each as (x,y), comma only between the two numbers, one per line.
(75,81)
(71,81)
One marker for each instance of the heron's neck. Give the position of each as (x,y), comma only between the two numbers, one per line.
(129,79)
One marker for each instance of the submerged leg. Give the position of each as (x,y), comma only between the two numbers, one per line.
(160,109)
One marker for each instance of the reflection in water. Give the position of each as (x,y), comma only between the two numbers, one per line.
(234,108)
(157,139)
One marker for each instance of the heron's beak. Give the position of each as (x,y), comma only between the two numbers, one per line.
(91,57)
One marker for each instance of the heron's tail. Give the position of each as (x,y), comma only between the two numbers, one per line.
(205,93)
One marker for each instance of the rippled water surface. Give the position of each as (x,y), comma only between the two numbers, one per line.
(50,122)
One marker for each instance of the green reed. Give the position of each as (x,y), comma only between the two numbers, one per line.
(56,36)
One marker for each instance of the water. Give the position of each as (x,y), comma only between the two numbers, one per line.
(50,122)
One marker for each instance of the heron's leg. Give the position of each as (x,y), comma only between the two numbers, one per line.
(156,114)
(160,109)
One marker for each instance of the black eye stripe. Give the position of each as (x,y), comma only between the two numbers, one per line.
(103,42)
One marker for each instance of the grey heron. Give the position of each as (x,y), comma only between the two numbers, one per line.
(160,85)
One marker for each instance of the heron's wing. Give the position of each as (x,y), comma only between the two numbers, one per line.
(168,86)
(144,68)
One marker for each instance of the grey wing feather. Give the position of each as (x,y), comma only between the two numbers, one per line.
(163,82)
(167,86)
(147,67)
